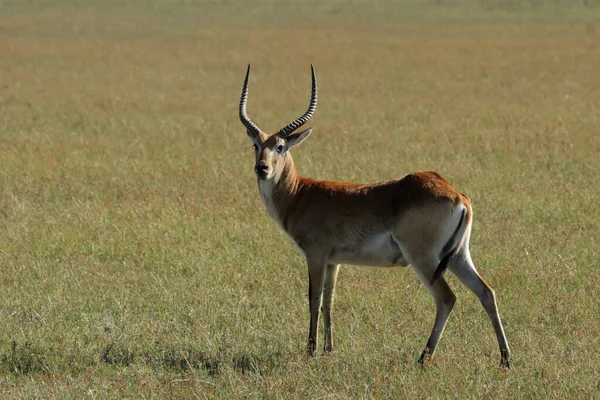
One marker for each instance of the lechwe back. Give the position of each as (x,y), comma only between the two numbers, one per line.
(419,219)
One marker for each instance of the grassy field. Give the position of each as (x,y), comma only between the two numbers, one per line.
(137,260)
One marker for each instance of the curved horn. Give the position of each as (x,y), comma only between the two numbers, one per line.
(288,129)
(251,126)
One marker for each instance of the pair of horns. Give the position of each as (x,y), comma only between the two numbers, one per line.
(291,127)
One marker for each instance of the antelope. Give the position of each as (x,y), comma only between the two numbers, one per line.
(419,220)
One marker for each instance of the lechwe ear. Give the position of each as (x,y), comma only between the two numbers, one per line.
(297,138)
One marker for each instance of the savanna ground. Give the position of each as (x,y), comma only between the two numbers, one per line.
(137,260)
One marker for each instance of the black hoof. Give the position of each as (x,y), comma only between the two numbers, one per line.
(425,356)
(505,359)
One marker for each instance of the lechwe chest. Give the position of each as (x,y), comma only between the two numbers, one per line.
(361,247)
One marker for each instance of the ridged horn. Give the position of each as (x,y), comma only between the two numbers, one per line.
(251,126)
(288,129)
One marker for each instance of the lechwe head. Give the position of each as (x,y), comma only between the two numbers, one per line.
(271,151)
(419,219)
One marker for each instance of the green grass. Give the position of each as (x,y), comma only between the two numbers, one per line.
(137,259)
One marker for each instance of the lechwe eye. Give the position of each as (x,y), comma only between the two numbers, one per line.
(255,147)
(280,148)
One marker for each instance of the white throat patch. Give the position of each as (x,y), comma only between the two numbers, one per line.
(266,186)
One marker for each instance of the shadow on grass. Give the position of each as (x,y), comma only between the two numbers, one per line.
(182,360)
(23,359)
(28,358)
(259,364)
(117,356)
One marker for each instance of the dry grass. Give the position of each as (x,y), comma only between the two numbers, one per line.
(136,256)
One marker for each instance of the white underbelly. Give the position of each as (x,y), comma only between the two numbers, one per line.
(380,250)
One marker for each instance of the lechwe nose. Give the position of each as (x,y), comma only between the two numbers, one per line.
(261,168)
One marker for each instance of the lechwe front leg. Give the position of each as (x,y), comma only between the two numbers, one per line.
(331,273)
(316,281)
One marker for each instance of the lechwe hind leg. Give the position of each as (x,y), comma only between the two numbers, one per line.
(462,266)
(444,300)
(443,297)
(331,273)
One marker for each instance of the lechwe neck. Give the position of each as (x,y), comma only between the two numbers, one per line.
(279,193)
